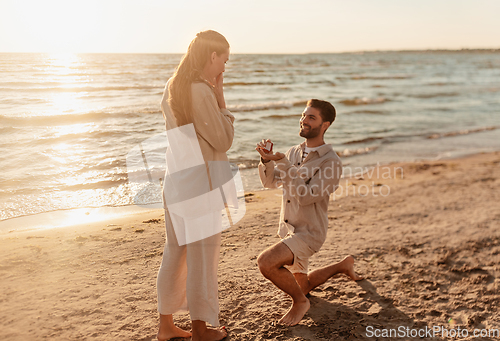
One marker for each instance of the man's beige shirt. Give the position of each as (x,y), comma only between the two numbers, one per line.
(307,187)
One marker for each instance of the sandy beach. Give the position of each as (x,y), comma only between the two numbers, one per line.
(425,235)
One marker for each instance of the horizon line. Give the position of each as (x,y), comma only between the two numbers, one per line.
(465,49)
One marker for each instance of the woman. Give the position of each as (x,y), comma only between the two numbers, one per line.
(187,279)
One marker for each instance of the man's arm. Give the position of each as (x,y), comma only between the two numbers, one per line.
(310,188)
(269,176)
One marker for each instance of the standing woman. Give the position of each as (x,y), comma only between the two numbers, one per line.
(187,279)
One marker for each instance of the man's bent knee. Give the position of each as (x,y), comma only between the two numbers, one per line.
(274,258)
(267,262)
(263,263)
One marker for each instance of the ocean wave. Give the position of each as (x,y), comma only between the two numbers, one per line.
(35,203)
(365,140)
(438,94)
(80,88)
(27,84)
(229,84)
(45,120)
(397,138)
(23,101)
(246,119)
(279,117)
(324,82)
(115,167)
(150,111)
(87,175)
(359,151)
(8,130)
(365,101)
(441,84)
(97,184)
(461,132)
(362,77)
(266,106)
(246,163)
(90,134)
(369,112)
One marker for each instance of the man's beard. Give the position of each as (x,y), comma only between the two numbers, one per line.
(310,133)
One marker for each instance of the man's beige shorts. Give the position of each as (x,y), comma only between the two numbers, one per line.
(301,253)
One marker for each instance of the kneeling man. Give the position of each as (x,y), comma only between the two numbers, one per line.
(309,173)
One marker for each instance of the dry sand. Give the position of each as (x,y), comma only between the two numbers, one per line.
(429,250)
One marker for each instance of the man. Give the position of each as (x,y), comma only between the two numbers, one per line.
(309,173)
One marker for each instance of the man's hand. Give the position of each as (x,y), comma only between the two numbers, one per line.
(268,156)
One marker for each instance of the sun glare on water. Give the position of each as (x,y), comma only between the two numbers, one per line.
(64,72)
(63,63)
(64,103)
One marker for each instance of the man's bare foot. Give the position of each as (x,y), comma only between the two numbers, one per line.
(210,334)
(164,335)
(348,268)
(295,313)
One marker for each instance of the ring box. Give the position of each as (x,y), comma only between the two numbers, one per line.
(268,148)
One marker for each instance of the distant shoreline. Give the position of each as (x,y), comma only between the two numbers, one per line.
(462,50)
(488,50)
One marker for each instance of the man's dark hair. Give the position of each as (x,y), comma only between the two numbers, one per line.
(326,109)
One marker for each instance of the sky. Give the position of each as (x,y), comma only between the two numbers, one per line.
(255,26)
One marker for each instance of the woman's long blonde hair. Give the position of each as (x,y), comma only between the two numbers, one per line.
(189,71)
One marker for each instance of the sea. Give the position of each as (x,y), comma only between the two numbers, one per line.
(73,126)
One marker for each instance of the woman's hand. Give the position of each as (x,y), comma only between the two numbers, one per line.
(219,91)
(268,156)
